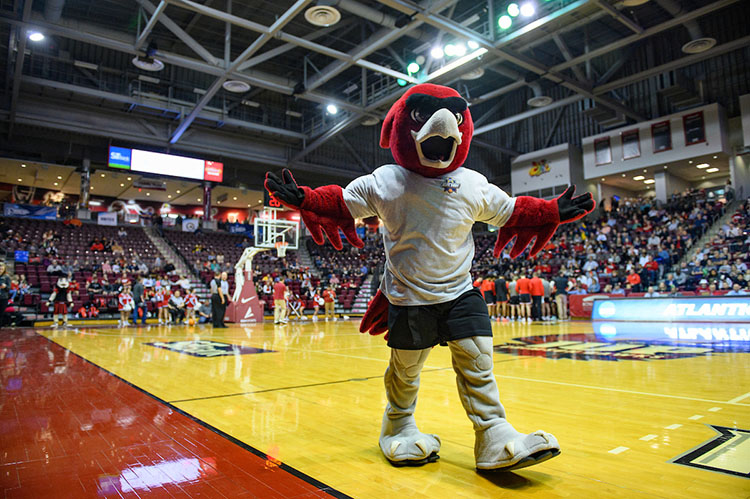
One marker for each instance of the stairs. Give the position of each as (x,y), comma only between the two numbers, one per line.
(710,234)
(172,256)
(363,297)
(305,260)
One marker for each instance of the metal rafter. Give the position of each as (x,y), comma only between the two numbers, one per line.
(178,32)
(567,55)
(18,68)
(523,61)
(151,24)
(609,9)
(286,37)
(245,55)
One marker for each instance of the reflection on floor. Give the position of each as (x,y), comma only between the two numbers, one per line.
(294,411)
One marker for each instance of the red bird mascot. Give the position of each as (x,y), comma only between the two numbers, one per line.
(428,203)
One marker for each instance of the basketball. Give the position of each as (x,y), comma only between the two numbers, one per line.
(191,322)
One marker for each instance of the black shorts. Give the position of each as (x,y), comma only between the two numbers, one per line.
(524,298)
(513,300)
(424,326)
(489,297)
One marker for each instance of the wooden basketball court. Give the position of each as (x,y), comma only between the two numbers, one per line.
(310,396)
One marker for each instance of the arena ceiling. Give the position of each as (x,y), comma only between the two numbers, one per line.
(254,83)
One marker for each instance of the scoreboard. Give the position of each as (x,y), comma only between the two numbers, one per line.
(139,161)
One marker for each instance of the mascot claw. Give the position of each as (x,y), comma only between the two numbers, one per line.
(403,444)
(518,452)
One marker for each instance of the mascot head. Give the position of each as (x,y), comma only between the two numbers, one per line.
(428,130)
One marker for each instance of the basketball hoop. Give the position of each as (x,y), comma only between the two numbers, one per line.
(281,248)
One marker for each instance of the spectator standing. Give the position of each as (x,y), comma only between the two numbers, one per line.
(219,298)
(329,302)
(4,293)
(138,301)
(561,295)
(279,302)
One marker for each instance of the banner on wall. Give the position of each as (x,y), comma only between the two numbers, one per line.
(674,309)
(107,218)
(30,211)
(189,225)
(244,229)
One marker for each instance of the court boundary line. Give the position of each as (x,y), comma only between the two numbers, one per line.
(322,487)
(336,382)
(620,390)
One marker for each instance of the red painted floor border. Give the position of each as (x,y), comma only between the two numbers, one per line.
(69,428)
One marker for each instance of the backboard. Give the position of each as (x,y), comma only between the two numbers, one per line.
(270,230)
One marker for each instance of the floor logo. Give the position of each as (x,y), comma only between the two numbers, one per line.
(205,348)
(592,347)
(728,452)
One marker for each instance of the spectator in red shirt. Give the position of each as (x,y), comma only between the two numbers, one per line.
(279,302)
(537,295)
(634,280)
(329,302)
(487,288)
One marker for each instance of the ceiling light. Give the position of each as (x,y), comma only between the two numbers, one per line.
(322,15)
(248,206)
(86,65)
(413,67)
(716,157)
(456,63)
(122,185)
(103,175)
(690,162)
(59,177)
(702,166)
(473,45)
(199,200)
(332,109)
(56,183)
(504,22)
(235,86)
(437,53)
(460,50)
(23,165)
(649,181)
(527,9)
(639,177)
(420,60)
(177,191)
(293,114)
(665,167)
(91,188)
(604,179)
(450,50)
(260,200)
(36,36)
(250,103)
(148,194)
(20,180)
(623,174)
(401,82)
(712,170)
(645,170)
(513,10)
(147,63)
(235,198)
(130,178)
(169,196)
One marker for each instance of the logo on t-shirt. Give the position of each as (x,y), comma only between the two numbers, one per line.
(450,185)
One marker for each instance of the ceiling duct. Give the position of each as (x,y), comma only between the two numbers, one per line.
(474,74)
(377,17)
(538,99)
(698,42)
(53,10)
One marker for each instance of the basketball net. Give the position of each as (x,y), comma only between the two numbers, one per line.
(281,248)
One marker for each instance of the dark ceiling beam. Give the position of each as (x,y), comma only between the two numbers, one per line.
(622,18)
(286,37)
(257,44)
(565,51)
(179,33)
(18,68)
(155,14)
(495,148)
(499,50)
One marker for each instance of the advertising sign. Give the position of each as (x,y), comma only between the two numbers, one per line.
(107,218)
(30,211)
(674,309)
(137,160)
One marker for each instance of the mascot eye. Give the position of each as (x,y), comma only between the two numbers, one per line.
(417,116)
(459,118)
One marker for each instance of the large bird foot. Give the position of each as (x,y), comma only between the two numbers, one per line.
(403,444)
(502,448)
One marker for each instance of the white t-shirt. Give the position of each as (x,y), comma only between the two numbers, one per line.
(427,228)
